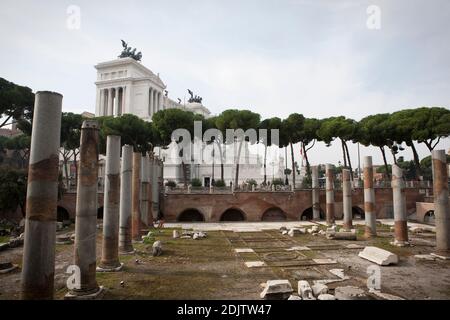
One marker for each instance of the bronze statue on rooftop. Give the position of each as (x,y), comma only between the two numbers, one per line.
(130,52)
(193,98)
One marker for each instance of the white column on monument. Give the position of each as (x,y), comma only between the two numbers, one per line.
(110,102)
(128,90)
(100,102)
(151,101)
(159,101)
(97,102)
(123,100)
(154,100)
(116,102)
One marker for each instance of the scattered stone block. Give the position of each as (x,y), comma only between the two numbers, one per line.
(296,231)
(176,234)
(284,232)
(244,250)
(385,296)
(339,273)
(195,236)
(326,296)
(441,256)
(354,246)
(324,261)
(319,289)
(6,267)
(298,248)
(349,293)
(277,289)
(379,256)
(255,264)
(63,239)
(341,235)
(157,248)
(294,297)
(304,290)
(15,242)
(428,257)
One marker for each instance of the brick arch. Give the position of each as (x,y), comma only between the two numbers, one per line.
(62,214)
(307,214)
(233,214)
(191,215)
(274,214)
(357,210)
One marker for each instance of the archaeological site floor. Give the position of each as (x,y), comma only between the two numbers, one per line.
(236,258)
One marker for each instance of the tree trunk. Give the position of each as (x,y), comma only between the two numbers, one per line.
(385,162)
(416,160)
(76,166)
(308,167)
(286,181)
(393,156)
(343,153)
(265,158)
(349,161)
(293,164)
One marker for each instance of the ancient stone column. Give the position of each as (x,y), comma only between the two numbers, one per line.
(329,176)
(150,191)
(441,203)
(144,189)
(315,193)
(86,211)
(135,194)
(155,187)
(369,199)
(38,266)
(110,250)
(399,199)
(347,199)
(125,243)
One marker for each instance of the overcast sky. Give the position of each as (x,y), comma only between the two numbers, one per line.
(313,57)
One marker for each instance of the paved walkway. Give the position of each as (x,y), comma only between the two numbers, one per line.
(261,226)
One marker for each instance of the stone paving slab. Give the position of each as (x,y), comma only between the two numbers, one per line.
(244,250)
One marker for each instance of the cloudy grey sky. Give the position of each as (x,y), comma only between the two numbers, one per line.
(313,57)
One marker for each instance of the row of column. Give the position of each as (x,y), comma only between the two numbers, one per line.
(42,196)
(155,101)
(111,101)
(441,201)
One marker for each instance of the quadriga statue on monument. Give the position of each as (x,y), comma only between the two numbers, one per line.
(130,52)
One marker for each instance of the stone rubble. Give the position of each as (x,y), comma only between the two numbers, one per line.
(319,289)
(349,293)
(304,290)
(157,248)
(326,296)
(277,290)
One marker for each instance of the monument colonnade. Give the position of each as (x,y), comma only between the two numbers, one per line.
(116,100)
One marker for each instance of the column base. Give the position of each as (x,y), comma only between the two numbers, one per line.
(91,296)
(441,255)
(109,269)
(132,251)
(398,243)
